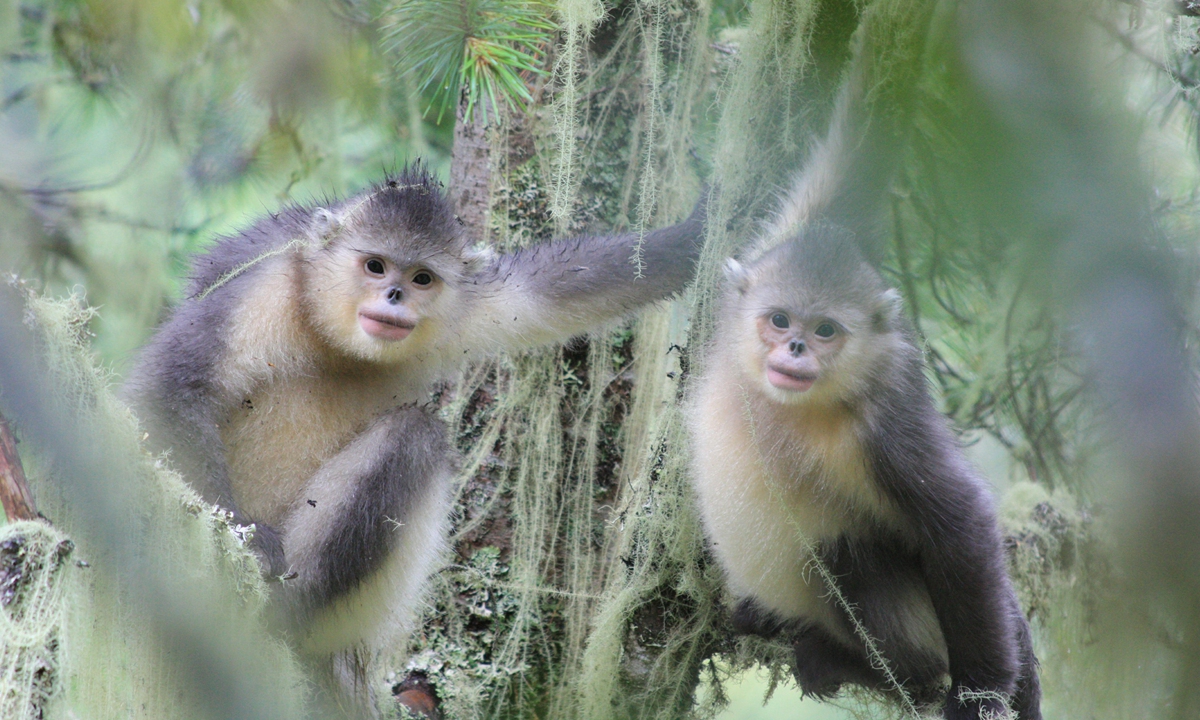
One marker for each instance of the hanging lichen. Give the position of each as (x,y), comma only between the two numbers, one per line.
(111,661)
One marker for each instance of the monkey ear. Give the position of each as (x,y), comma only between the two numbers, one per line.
(891,307)
(324,224)
(476,258)
(737,275)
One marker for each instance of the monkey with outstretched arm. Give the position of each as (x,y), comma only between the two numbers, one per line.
(287,386)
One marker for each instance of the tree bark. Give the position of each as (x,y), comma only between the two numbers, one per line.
(14,489)
(471,169)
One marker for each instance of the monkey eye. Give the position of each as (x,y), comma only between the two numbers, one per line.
(781,321)
(825,330)
(375,266)
(422,278)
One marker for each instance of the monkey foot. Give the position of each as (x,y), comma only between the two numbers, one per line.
(815,678)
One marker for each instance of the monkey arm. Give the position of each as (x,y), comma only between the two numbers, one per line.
(551,292)
(963,565)
(919,466)
(172,391)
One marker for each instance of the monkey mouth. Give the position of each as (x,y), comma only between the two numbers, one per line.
(384,327)
(789,379)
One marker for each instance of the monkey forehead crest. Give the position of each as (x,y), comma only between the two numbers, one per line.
(407,214)
(821,266)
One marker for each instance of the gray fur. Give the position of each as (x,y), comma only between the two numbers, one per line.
(408,451)
(583,273)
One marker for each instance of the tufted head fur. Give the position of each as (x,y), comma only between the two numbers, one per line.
(407,215)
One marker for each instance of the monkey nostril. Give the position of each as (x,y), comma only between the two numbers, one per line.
(394,295)
(796,347)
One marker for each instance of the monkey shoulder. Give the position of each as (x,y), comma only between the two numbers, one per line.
(230,252)
(178,366)
(918,463)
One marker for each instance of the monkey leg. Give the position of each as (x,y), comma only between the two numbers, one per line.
(364,535)
(823,664)
(886,593)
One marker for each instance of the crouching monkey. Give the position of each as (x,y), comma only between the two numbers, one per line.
(287,386)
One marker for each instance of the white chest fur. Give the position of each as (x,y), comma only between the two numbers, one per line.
(772,482)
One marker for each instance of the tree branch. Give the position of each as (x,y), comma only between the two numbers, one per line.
(14,490)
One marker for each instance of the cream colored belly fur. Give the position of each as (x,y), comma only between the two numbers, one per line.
(769,484)
(275,452)
(282,433)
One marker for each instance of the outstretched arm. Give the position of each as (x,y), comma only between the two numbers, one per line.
(564,288)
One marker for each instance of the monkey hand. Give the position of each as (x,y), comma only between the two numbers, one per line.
(267,546)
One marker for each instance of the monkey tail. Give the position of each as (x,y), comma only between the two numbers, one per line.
(846,175)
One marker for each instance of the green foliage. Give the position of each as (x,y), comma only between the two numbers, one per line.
(108,658)
(484,49)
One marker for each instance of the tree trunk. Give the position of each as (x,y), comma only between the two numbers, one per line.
(471,169)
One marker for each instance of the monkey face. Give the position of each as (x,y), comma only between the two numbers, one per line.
(797,347)
(393,296)
(372,302)
(811,320)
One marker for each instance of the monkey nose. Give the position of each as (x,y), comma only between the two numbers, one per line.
(394,295)
(796,347)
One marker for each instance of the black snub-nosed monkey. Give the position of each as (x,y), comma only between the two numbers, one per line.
(832,491)
(287,386)
(816,441)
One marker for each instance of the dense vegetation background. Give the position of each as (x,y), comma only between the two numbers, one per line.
(1042,229)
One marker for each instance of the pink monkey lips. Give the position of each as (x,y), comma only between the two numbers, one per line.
(384,327)
(787,379)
